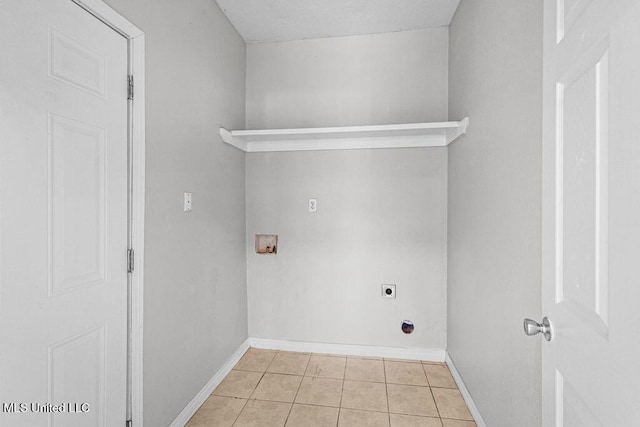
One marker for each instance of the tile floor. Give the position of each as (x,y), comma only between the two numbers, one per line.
(276,388)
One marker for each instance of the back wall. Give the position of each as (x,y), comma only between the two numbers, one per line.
(381,213)
(356,80)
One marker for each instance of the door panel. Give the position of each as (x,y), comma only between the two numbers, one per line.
(76,64)
(575,412)
(568,13)
(77,204)
(591,202)
(63,215)
(582,190)
(77,374)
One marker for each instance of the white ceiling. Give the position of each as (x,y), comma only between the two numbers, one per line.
(284,20)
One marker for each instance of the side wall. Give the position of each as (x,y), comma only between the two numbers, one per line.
(195,290)
(494,206)
(381,213)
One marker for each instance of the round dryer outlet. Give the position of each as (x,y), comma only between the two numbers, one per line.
(388,291)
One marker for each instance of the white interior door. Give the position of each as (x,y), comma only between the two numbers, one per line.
(63,216)
(591,212)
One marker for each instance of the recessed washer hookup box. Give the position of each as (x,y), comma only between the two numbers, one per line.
(266,244)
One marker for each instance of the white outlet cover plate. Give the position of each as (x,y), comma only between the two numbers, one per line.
(187,202)
(313,205)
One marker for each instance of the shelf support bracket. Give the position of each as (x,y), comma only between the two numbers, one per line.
(229,139)
(456,133)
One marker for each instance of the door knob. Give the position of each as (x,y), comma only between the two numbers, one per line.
(531,327)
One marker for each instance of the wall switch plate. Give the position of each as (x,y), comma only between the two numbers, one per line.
(388,291)
(313,205)
(187,202)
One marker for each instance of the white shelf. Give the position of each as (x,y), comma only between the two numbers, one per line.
(346,138)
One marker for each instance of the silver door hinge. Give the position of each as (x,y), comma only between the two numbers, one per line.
(129,423)
(130,260)
(130,91)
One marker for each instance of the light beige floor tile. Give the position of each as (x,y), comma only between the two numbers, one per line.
(326,366)
(364,370)
(255,360)
(277,387)
(289,363)
(320,391)
(451,404)
(457,423)
(312,416)
(411,400)
(399,420)
(354,418)
(238,384)
(404,373)
(217,411)
(258,413)
(439,376)
(365,395)
(430,362)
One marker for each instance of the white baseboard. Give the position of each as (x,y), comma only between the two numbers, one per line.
(429,354)
(208,388)
(465,393)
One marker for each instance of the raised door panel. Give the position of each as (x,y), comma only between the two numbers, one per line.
(77,380)
(77,204)
(582,190)
(72,62)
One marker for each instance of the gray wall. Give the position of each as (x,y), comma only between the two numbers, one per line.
(381,219)
(356,80)
(381,213)
(195,276)
(494,206)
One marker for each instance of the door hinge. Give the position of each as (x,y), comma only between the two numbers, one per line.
(129,423)
(130,91)
(130,260)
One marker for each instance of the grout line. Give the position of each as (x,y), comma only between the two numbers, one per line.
(377,412)
(436,404)
(248,398)
(277,373)
(386,390)
(354,409)
(238,416)
(337,356)
(271,363)
(256,387)
(298,403)
(408,385)
(297,390)
(413,362)
(458,419)
(344,375)
(426,375)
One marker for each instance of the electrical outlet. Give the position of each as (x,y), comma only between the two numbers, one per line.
(388,291)
(313,205)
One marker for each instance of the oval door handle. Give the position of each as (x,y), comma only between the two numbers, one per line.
(531,327)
